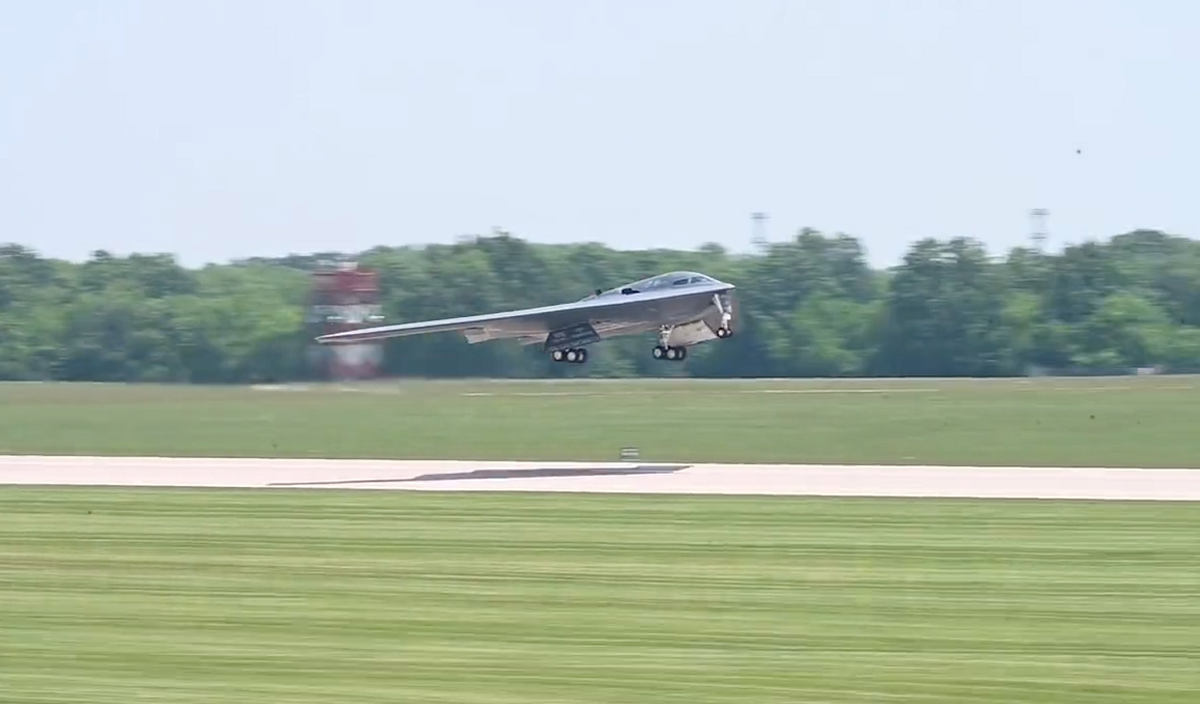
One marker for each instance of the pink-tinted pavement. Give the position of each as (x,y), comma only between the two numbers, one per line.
(627,477)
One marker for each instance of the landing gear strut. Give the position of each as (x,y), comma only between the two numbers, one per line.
(723,330)
(572,356)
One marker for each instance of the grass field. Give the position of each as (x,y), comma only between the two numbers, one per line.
(280,597)
(1130,421)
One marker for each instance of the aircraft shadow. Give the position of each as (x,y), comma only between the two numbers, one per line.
(507,474)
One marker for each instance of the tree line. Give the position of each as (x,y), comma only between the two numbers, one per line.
(807,307)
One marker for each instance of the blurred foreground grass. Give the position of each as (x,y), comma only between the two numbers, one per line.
(114,596)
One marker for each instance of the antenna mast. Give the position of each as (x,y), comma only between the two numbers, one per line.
(1037,228)
(758,229)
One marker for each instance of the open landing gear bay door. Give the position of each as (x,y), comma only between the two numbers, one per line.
(571,337)
(717,323)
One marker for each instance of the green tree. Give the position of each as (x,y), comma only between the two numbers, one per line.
(808,306)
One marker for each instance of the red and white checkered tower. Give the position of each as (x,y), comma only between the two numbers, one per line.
(346,297)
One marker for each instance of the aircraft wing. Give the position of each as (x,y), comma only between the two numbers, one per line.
(613,312)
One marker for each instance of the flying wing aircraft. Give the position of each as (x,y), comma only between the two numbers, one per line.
(686,308)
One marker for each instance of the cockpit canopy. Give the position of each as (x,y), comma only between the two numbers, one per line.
(674,278)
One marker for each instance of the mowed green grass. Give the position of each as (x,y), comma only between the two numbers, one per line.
(114,596)
(1149,421)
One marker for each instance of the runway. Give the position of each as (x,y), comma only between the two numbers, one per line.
(613,477)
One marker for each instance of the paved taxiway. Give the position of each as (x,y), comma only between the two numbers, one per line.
(623,477)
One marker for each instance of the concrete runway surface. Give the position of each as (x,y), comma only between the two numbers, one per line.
(621,477)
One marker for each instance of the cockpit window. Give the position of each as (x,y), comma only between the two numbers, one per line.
(674,278)
(681,278)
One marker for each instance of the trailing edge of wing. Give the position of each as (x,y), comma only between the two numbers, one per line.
(596,305)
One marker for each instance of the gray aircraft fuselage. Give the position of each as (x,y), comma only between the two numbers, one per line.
(686,308)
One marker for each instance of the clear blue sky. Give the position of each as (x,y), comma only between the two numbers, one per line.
(221,129)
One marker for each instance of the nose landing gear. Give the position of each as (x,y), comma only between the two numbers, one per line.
(723,330)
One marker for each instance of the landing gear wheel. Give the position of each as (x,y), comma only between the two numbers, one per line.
(574,356)
(674,354)
(724,333)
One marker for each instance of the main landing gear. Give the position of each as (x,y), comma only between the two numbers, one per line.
(575,356)
(673,354)
(664,351)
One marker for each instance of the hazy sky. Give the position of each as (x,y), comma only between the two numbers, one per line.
(224,129)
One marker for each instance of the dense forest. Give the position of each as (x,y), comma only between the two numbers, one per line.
(810,306)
